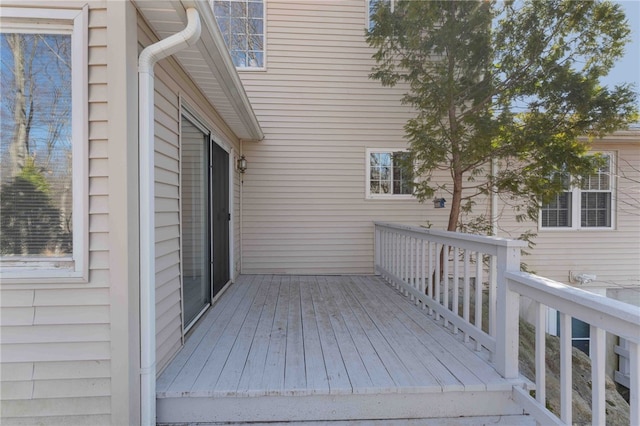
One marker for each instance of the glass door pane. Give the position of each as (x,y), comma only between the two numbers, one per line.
(196,250)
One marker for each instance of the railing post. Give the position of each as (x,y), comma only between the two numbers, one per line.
(377,249)
(507,313)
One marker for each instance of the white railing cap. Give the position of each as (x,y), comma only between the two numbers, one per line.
(483,239)
(614,316)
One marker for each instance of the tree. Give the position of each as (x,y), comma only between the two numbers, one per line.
(30,223)
(502,92)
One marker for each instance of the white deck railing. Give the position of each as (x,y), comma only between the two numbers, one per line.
(447,272)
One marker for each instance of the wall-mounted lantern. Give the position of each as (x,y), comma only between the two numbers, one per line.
(438,203)
(242,164)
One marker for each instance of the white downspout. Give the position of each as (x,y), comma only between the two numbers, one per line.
(147,59)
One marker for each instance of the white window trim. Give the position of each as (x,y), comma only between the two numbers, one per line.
(576,203)
(264,40)
(75,23)
(368,194)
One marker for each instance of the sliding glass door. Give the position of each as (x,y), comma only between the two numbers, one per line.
(196,214)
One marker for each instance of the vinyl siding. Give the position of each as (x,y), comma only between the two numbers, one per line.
(304,206)
(56,337)
(171,85)
(612,254)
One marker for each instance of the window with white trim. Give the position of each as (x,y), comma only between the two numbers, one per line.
(43,143)
(389,174)
(242,24)
(589,205)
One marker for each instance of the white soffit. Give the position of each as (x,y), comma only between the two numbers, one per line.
(208,62)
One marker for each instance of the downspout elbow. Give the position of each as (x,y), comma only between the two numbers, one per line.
(172,44)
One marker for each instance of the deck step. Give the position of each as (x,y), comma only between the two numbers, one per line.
(382,406)
(514,420)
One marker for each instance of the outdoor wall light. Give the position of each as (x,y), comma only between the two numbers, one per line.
(242,164)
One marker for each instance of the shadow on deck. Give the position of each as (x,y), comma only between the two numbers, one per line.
(303,348)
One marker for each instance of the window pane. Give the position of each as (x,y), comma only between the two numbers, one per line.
(239,58)
(402,173)
(256,10)
(601,179)
(36,191)
(256,26)
(255,43)
(557,213)
(238,9)
(243,31)
(221,9)
(595,209)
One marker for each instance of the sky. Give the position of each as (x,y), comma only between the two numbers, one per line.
(627,70)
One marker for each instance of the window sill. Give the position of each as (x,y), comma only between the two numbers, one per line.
(390,197)
(251,69)
(41,271)
(566,229)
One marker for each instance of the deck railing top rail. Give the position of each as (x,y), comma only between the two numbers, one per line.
(618,318)
(482,243)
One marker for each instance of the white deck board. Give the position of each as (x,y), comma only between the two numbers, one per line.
(325,335)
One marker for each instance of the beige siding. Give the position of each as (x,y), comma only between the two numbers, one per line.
(304,207)
(56,337)
(172,85)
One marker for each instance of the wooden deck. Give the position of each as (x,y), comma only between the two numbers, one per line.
(278,348)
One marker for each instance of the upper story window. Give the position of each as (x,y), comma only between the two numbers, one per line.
(43,188)
(242,24)
(371,8)
(389,174)
(588,205)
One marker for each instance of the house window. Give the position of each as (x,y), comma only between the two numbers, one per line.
(389,174)
(580,334)
(43,143)
(589,205)
(242,24)
(371,9)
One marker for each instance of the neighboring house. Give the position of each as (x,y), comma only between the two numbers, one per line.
(293,98)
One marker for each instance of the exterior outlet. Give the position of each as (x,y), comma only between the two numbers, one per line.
(581,277)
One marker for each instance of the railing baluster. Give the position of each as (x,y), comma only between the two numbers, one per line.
(412,275)
(456,279)
(466,293)
(416,268)
(598,361)
(431,273)
(405,264)
(566,377)
(478,293)
(634,383)
(541,370)
(445,281)
(396,261)
(492,295)
(422,272)
(437,280)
